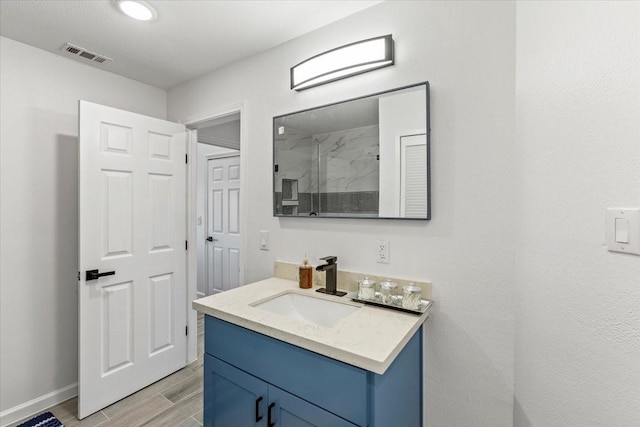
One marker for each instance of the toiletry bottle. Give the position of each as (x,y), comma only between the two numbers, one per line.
(305,276)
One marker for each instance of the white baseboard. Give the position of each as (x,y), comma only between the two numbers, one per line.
(200,294)
(37,405)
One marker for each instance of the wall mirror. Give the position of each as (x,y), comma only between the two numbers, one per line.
(366,157)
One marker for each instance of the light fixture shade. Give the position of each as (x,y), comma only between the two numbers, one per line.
(137,9)
(344,61)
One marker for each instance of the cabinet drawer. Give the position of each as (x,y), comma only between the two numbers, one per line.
(335,386)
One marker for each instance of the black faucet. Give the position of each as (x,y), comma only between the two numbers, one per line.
(332,273)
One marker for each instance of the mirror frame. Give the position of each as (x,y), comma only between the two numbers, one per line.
(356,216)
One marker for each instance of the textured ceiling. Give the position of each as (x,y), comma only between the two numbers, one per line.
(188,39)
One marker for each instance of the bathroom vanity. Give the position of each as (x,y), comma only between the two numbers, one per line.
(277,355)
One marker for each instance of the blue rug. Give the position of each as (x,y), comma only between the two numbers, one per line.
(43,420)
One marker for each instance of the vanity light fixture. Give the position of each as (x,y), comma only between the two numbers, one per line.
(137,9)
(344,61)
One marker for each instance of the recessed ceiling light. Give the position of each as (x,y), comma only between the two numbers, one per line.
(137,9)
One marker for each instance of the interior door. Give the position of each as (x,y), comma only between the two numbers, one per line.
(223,224)
(413,176)
(132,255)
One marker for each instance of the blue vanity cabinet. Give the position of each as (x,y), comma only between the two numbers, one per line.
(251,379)
(235,398)
(291,411)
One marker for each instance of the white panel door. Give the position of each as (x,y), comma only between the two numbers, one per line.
(223,224)
(132,223)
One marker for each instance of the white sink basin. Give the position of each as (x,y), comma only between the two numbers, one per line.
(310,309)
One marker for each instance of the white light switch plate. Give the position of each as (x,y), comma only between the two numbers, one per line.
(264,240)
(623,224)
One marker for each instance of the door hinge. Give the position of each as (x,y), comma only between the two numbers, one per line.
(78,276)
(186,245)
(186,158)
(186,330)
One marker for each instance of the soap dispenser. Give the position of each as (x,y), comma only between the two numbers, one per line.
(305,274)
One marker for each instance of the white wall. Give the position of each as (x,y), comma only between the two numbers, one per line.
(228,131)
(39,204)
(225,134)
(467,51)
(204,152)
(578,131)
(400,114)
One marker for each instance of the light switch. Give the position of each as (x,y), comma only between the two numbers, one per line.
(264,240)
(623,230)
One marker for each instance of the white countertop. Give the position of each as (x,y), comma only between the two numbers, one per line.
(370,338)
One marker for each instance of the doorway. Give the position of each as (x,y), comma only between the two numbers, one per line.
(218,226)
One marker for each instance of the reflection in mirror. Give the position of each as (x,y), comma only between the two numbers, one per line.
(362,158)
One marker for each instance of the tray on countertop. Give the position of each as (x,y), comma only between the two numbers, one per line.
(395,305)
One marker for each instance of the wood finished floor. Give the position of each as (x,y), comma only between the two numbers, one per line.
(174,401)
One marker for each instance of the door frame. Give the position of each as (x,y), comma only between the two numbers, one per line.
(191,122)
(206,210)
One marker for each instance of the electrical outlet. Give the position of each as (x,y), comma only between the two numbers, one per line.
(382,251)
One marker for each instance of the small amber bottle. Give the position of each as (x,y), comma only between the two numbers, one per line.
(305,274)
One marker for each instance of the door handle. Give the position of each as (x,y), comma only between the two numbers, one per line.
(258,416)
(269,417)
(94,274)
(211,239)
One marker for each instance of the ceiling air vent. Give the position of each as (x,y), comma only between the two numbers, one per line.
(84,53)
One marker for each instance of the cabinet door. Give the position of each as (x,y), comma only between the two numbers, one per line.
(233,397)
(338,387)
(291,411)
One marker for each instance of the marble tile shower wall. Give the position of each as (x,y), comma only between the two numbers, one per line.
(348,160)
(306,202)
(294,150)
(352,202)
(348,170)
(360,202)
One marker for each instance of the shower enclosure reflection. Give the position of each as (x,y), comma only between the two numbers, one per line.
(363,158)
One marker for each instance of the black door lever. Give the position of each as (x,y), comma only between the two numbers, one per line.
(93,274)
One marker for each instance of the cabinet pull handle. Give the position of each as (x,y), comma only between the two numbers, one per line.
(269,423)
(258,416)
